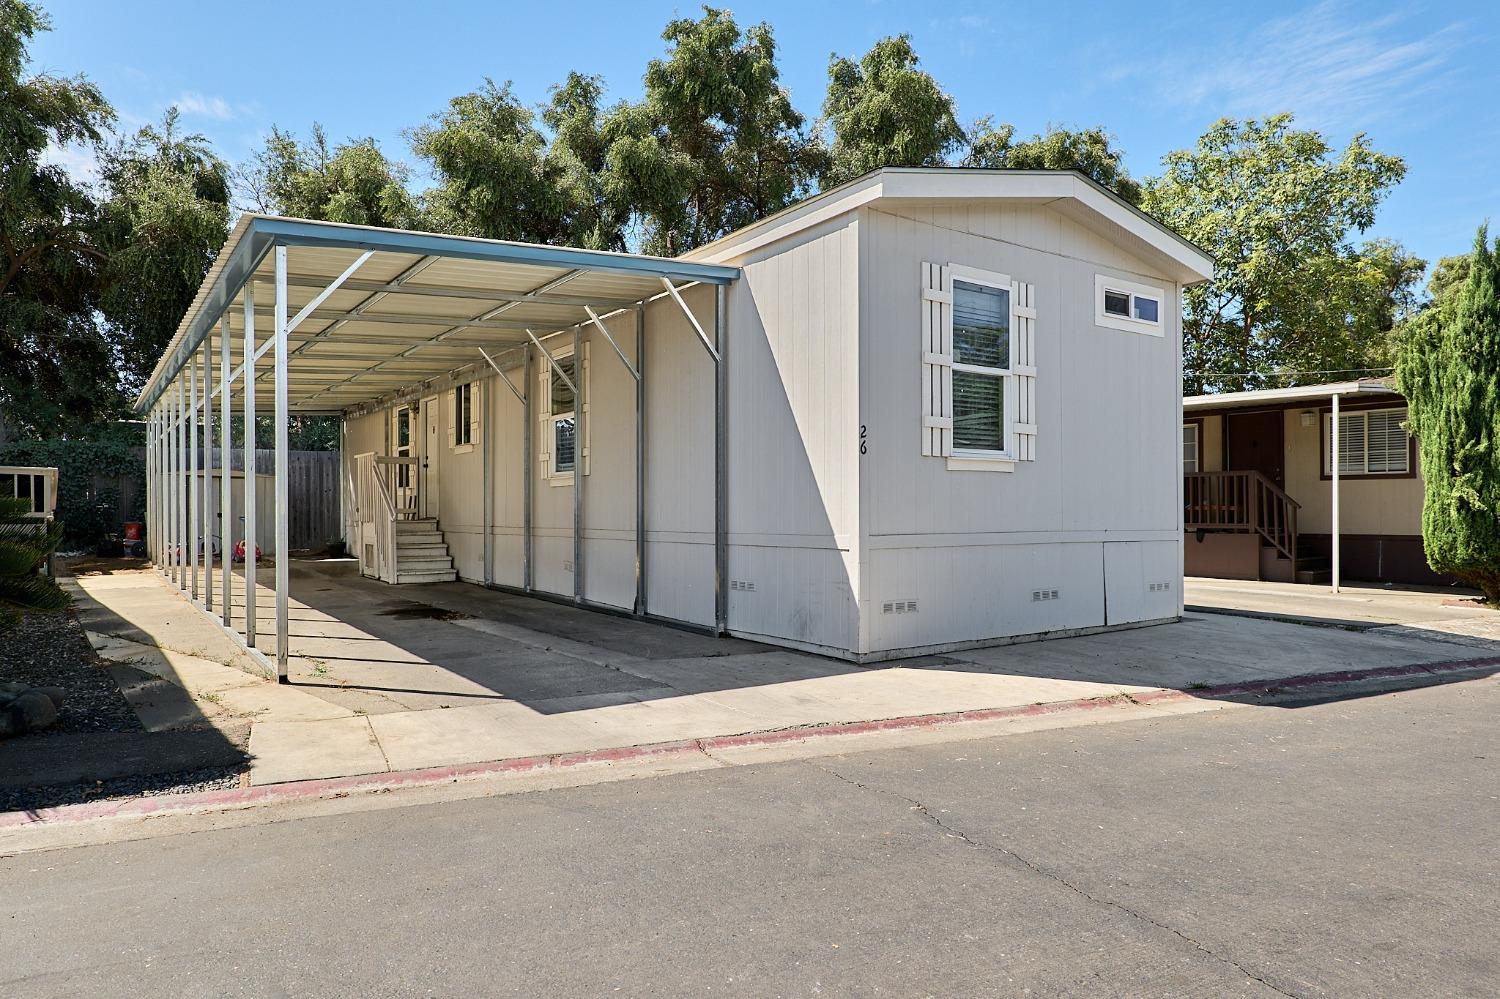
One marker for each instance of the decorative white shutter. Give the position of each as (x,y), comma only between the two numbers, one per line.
(937,360)
(476,407)
(451,401)
(587,424)
(544,416)
(1023,367)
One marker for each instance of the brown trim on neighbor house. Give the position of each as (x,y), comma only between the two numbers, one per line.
(1411,444)
(1378,558)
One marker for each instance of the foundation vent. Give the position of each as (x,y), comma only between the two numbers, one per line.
(1158,587)
(742,585)
(1039,595)
(899,607)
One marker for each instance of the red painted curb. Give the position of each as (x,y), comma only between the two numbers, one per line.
(338,787)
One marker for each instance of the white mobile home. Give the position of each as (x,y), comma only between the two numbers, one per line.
(925,410)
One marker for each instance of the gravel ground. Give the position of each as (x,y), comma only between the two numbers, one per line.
(50,650)
(31,798)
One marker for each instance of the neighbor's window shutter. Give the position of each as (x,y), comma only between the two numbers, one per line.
(452,399)
(544,415)
(1023,367)
(937,360)
(588,394)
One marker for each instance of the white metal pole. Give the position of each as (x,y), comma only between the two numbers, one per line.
(578,438)
(179,488)
(528,427)
(640,460)
(247,455)
(192,482)
(208,463)
(487,491)
(1334,461)
(721,460)
(226,496)
(283,568)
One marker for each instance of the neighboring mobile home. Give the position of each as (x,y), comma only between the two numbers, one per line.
(1260,485)
(925,410)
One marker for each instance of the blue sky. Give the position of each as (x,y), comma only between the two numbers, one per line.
(1420,78)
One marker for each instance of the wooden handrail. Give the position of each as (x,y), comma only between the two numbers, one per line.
(1241,502)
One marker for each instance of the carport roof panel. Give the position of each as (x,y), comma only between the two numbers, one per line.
(446,284)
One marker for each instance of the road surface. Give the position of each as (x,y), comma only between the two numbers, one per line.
(1334,849)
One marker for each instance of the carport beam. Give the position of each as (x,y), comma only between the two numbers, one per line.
(247,452)
(721,461)
(194,507)
(226,495)
(580,418)
(1334,462)
(283,568)
(640,460)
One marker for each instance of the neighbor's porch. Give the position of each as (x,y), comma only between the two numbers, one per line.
(1263,499)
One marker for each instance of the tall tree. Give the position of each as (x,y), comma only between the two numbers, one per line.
(353,182)
(494,178)
(55,370)
(1449,370)
(1089,151)
(1276,210)
(165,216)
(715,144)
(884,111)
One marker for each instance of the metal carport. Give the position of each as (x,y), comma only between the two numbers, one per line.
(355,318)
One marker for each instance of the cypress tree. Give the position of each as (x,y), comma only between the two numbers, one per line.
(1449,370)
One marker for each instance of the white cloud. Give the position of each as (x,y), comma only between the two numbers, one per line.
(1331,65)
(192,103)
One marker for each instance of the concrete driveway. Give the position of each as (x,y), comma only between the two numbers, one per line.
(388,678)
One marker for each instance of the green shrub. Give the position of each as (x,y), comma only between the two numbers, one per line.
(1449,370)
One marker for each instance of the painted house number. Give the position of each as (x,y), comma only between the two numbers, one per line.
(864,436)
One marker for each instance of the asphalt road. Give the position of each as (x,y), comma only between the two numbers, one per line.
(1340,849)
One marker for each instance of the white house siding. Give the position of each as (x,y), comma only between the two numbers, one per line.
(1096,516)
(794,439)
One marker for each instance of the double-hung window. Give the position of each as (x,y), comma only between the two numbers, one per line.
(564,424)
(981,367)
(1371,442)
(1189,448)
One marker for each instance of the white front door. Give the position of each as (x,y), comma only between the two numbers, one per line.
(432,452)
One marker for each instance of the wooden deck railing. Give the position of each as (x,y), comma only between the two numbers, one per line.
(381,499)
(1241,502)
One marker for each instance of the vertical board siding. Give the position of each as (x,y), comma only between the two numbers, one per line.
(971,547)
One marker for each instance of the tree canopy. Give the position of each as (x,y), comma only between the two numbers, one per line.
(94,277)
(1291,297)
(884,111)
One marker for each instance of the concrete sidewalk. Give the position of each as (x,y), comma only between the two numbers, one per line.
(395,678)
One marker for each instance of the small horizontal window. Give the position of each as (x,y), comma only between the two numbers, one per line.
(1125,305)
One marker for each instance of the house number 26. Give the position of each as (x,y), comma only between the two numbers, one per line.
(864,437)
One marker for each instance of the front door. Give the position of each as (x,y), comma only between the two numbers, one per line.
(1253,442)
(432,452)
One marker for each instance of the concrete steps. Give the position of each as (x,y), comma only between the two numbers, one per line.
(422,553)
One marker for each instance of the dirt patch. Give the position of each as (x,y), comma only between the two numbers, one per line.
(423,612)
(49,649)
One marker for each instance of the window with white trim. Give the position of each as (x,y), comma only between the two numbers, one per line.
(1189,448)
(981,367)
(463,415)
(1126,305)
(563,420)
(1371,442)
